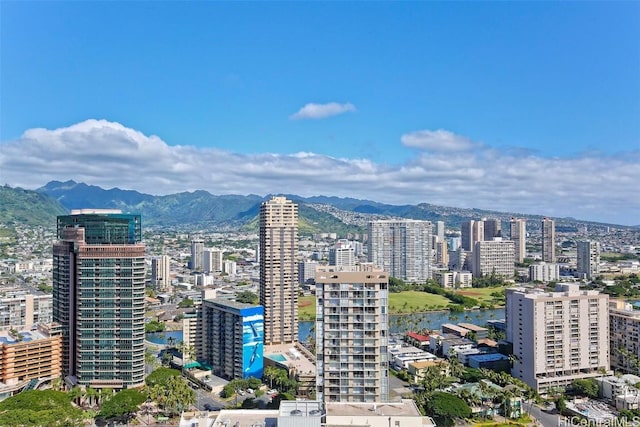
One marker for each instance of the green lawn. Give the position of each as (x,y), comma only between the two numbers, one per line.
(307,307)
(415,301)
(481,294)
(403,302)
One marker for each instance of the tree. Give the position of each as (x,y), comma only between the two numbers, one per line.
(188,352)
(75,394)
(271,373)
(92,396)
(123,404)
(561,405)
(104,395)
(446,407)
(174,396)
(161,376)
(39,408)
(247,297)
(154,326)
(586,387)
(185,303)
(171,342)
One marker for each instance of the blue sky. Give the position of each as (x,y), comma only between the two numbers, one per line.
(496,90)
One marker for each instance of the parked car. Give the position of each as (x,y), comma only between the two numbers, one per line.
(250,390)
(240,392)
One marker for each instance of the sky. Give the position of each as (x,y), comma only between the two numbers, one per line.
(525,107)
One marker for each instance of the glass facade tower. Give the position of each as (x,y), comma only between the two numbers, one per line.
(98,297)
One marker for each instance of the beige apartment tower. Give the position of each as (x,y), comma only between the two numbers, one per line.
(279,270)
(471,232)
(548,240)
(518,229)
(624,330)
(493,257)
(352,335)
(161,273)
(559,336)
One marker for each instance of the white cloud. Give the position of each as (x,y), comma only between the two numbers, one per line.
(321,111)
(98,152)
(436,140)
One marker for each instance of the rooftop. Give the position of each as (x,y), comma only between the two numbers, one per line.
(406,407)
(307,408)
(472,327)
(417,336)
(247,418)
(283,354)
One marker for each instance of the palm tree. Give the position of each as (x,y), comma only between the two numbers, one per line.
(104,395)
(92,395)
(178,395)
(75,394)
(57,384)
(171,342)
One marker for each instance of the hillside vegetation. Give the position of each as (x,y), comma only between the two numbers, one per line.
(19,206)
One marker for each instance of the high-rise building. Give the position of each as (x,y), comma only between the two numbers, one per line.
(492,228)
(518,230)
(440,231)
(557,337)
(279,270)
(471,232)
(233,338)
(352,335)
(342,255)
(160,273)
(307,271)
(624,330)
(442,254)
(493,257)
(98,297)
(197,254)
(548,240)
(212,260)
(402,248)
(21,310)
(544,272)
(588,259)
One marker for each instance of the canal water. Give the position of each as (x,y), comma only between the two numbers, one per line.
(398,323)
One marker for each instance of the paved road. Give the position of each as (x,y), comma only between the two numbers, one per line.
(203,397)
(546,418)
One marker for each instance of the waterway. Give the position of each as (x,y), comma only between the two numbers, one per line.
(163,337)
(398,323)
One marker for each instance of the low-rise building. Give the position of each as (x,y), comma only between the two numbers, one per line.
(417,370)
(400,357)
(454,279)
(417,340)
(34,354)
(493,361)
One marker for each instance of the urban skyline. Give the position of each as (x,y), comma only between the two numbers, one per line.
(445,113)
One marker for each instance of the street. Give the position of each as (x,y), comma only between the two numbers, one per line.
(206,401)
(547,419)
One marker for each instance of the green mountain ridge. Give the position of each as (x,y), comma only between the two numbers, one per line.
(202,210)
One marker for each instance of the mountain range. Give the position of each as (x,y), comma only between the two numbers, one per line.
(200,209)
